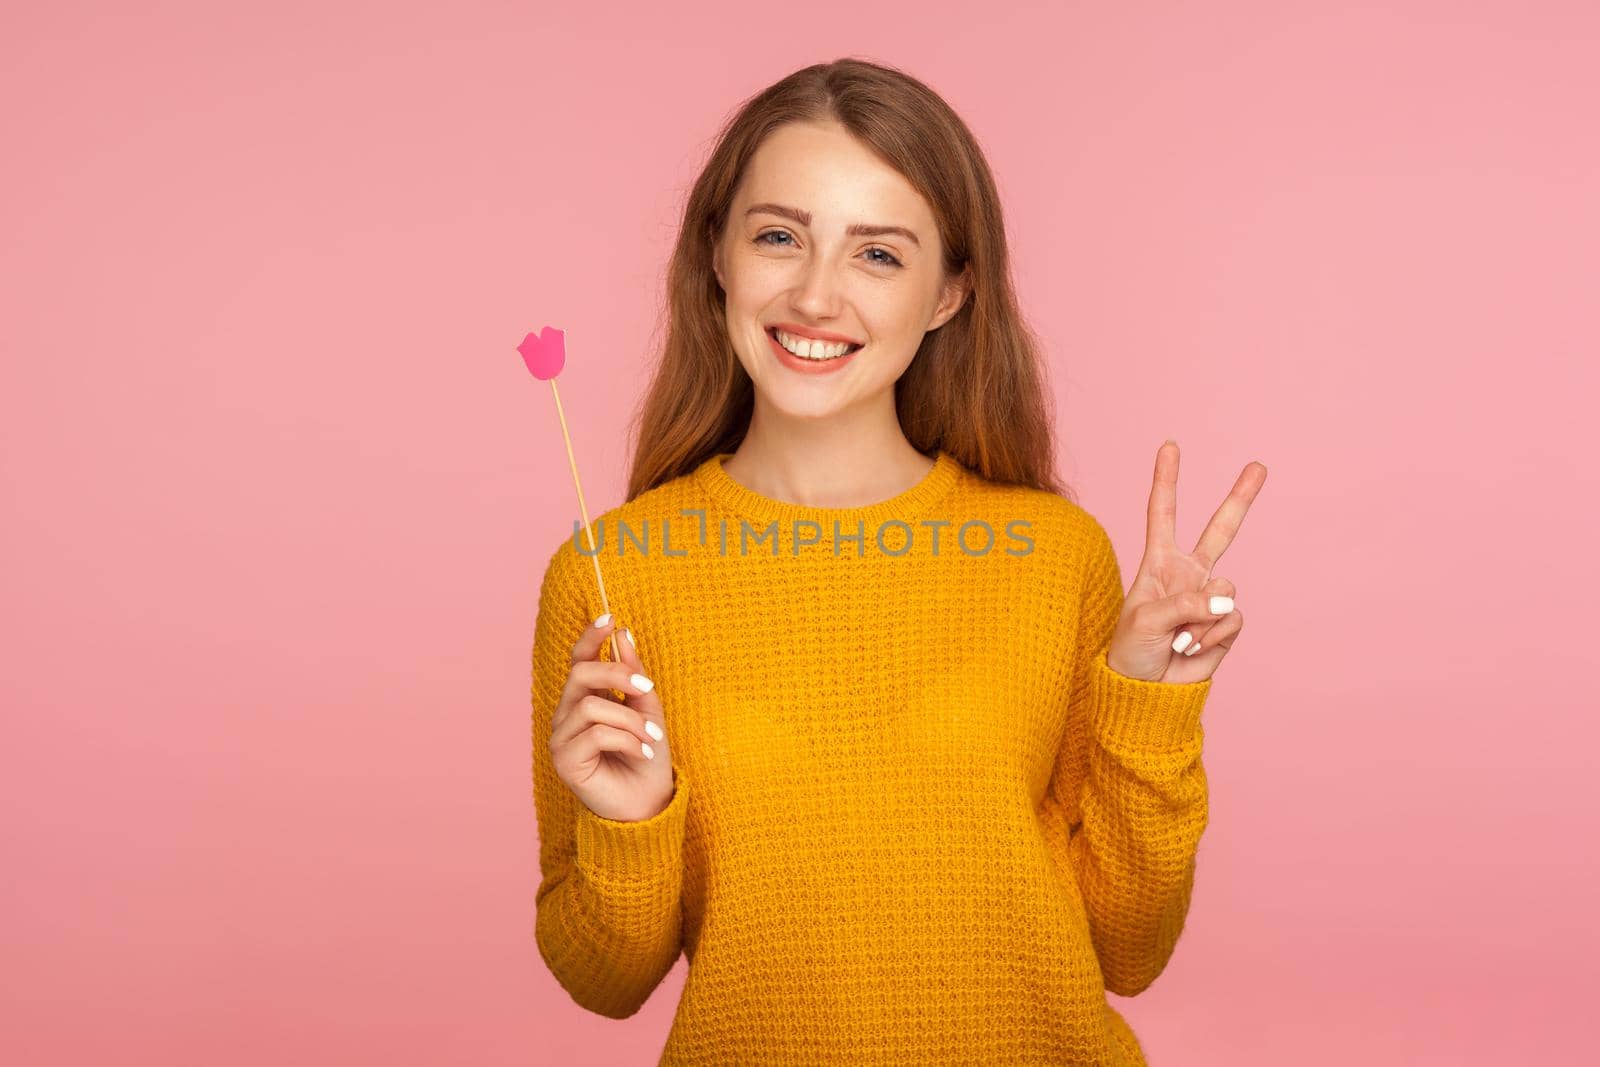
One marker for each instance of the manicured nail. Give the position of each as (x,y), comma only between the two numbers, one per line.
(629,635)
(652,729)
(1192,649)
(1221,605)
(641,682)
(1183,641)
(649,753)
(602,620)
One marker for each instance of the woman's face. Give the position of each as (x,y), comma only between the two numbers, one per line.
(787,257)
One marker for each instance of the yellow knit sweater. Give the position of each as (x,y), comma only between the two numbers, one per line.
(917,818)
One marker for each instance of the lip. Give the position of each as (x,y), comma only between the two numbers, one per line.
(812,335)
(806,366)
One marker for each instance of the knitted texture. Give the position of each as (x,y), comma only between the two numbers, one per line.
(917,819)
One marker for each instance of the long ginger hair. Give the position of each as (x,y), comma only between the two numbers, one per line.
(976,387)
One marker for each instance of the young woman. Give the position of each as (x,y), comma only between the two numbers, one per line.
(888,754)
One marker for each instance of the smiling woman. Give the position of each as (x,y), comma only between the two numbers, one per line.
(886,793)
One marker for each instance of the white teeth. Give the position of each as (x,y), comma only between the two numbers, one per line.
(811,349)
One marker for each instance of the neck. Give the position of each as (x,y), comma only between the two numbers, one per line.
(826,463)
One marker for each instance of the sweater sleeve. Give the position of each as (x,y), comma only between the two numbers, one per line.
(609,913)
(1127,802)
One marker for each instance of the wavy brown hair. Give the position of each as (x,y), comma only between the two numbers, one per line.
(976,387)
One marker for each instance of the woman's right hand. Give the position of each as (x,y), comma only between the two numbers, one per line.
(597,744)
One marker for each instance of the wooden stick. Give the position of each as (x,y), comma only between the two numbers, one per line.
(584,510)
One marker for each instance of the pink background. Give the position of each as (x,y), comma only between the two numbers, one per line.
(278,489)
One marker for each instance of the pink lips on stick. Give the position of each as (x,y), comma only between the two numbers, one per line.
(545,353)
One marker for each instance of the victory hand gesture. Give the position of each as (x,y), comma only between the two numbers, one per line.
(1177,621)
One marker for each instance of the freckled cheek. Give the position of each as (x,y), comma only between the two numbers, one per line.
(756,285)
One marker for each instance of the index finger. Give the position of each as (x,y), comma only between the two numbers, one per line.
(647,703)
(587,649)
(1161,516)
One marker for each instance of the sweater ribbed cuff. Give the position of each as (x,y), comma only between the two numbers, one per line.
(1130,713)
(634,851)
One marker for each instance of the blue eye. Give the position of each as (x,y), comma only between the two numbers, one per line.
(889,259)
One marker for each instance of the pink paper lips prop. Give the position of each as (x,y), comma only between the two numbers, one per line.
(544,352)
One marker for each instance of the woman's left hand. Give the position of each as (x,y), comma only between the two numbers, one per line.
(1169,611)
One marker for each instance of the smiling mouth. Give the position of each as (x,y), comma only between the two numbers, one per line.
(813,347)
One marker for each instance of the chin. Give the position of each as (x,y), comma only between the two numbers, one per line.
(794,407)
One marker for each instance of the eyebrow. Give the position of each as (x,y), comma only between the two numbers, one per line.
(858,229)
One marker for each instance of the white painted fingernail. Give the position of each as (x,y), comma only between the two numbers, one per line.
(1221,605)
(1192,649)
(641,682)
(652,729)
(649,753)
(1183,641)
(602,620)
(629,635)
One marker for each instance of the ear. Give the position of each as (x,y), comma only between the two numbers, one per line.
(955,294)
(716,262)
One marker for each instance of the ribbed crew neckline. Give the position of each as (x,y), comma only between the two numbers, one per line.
(720,485)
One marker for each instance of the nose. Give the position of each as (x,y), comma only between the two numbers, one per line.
(819,295)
